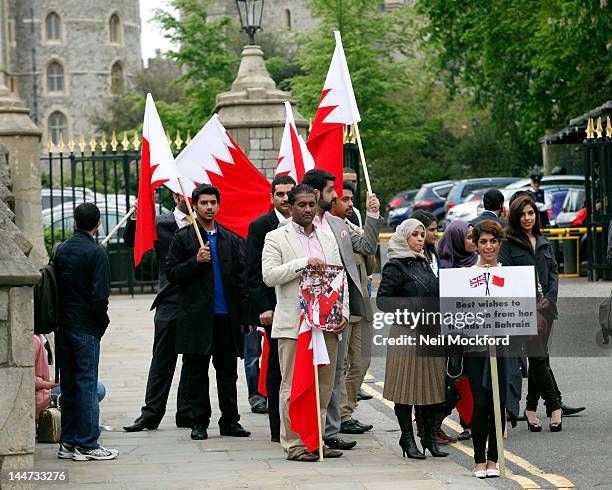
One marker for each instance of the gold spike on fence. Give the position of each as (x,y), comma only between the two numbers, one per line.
(113,142)
(608,128)
(60,143)
(188,140)
(178,142)
(82,144)
(71,143)
(599,128)
(590,129)
(125,142)
(49,143)
(136,141)
(103,142)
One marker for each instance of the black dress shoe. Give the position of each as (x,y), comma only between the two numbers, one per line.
(140,424)
(275,438)
(234,430)
(339,443)
(566,410)
(350,427)
(365,427)
(259,408)
(198,432)
(363,396)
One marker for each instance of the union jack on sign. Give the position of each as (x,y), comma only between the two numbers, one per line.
(478,281)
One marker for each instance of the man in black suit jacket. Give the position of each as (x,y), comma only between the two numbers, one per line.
(493,202)
(212,311)
(164,357)
(262,299)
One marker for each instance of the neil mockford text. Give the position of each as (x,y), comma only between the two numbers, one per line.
(414,319)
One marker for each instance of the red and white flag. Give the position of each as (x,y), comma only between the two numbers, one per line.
(310,351)
(337,108)
(157,167)
(294,159)
(212,157)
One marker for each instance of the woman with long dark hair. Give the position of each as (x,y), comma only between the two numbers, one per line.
(524,245)
(430,222)
(411,378)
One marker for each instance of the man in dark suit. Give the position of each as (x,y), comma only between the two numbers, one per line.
(212,311)
(493,202)
(164,357)
(262,299)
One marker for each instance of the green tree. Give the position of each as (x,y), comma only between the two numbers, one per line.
(533,63)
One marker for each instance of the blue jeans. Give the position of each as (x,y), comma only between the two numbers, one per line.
(78,355)
(58,391)
(252,353)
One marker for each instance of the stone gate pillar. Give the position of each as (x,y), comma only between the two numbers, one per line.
(253,111)
(20,137)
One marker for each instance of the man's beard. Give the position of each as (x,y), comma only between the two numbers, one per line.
(326,205)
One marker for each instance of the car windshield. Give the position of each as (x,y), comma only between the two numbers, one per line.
(574,201)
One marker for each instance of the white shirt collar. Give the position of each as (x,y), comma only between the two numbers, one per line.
(180,218)
(281,219)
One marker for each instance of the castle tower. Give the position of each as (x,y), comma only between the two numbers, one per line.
(66,57)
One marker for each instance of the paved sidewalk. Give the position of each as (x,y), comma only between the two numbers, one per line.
(168,458)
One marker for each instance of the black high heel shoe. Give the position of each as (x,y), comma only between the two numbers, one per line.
(532,427)
(556,426)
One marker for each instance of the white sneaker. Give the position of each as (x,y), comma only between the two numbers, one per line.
(480,473)
(98,454)
(493,472)
(65,451)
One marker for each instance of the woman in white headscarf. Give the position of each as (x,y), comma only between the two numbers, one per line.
(412,378)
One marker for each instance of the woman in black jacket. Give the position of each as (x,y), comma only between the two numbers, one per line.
(525,245)
(411,377)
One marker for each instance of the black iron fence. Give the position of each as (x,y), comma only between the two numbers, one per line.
(102,174)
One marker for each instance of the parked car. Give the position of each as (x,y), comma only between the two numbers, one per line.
(561,181)
(54,197)
(62,216)
(572,213)
(432,196)
(400,207)
(465,187)
(468,209)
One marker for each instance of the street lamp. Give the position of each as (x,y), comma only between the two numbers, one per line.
(251,12)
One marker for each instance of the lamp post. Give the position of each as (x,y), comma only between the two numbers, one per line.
(251,12)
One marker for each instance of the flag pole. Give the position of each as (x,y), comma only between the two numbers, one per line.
(497,411)
(119,225)
(190,209)
(316,373)
(363,160)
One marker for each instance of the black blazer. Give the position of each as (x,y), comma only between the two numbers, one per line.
(261,297)
(488,215)
(195,281)
(166,227)
(517,251)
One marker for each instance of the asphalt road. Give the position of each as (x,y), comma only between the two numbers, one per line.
(580,454)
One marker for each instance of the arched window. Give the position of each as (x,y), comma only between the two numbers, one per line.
(114,29)
(288,18)
(53,27)
(58,125)
(55,78)
(117,79)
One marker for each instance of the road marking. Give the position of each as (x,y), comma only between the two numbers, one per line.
(557,480)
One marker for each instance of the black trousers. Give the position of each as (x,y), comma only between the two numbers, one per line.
(225,361)
(273,383)
(161,371)
(483,418)
(541,382)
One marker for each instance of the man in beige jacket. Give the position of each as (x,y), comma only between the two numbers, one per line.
(287,251)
